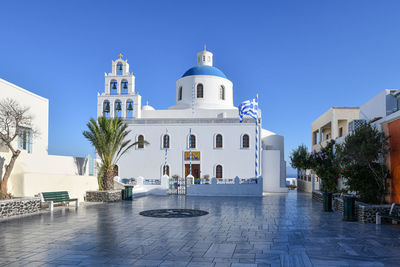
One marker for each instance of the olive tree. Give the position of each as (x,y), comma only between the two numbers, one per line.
(15,121)
(362,161)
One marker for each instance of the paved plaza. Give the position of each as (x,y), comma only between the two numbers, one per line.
(275,230)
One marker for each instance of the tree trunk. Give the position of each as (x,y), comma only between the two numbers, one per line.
(7,174)
(108,180)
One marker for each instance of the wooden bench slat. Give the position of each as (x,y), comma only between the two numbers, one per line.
(58,197)
(61,196)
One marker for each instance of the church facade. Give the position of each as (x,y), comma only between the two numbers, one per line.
(201,134)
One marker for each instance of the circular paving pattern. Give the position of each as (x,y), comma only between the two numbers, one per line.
(173,213)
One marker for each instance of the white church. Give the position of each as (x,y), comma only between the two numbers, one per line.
(201,133)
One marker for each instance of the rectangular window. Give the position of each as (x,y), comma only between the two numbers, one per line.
(25,139)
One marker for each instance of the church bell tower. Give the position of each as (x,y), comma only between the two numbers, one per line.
(119,98)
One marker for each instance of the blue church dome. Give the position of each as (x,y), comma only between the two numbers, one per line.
(204,70)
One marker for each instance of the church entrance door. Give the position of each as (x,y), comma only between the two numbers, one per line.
(195,170)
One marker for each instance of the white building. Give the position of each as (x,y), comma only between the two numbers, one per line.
(221,146)
(35,171)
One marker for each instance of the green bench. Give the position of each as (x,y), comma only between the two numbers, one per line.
(57,197)
(394,214)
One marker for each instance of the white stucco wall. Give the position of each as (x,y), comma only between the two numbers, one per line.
(375,107)
(34,183)
(211,99)
(38,109)
(243,190)
(148,162)
(271,171)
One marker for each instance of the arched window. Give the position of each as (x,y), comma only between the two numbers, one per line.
(222,92)
(165,170)
(245,141)
(218,141)
(113,87)
(180,93)
(118,108)
(124,87)
(106,109)
(192,141)
(218,171)
(166,141)
(129,108)
(120,69)
(200,90)
(141,141)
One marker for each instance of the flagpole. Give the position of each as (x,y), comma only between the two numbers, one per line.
(190,150)
(256,143)
(190,133)
(166,153)
(259,120)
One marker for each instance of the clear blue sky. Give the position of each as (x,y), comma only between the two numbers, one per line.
(301,57)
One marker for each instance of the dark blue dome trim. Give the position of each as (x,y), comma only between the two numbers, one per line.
(204,70)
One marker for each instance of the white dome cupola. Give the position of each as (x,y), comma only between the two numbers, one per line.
(204,86)
(204,58)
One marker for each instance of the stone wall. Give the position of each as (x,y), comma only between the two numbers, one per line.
(317,196)
(19,206)
(103,196)
(367,213)
(338,204)
(364,213)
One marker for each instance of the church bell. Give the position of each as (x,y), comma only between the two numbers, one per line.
(130,106)
(106,107)
(120,67)
(114,86)
(118,106)
(125,85)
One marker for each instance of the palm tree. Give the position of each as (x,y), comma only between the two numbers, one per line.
(108,136)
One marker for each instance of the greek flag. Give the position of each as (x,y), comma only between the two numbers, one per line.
(249,108)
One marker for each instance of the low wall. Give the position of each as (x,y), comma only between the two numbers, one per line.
(236,189)
(304,186)
(220,187)
(338,204)
(19,206)
(35,183)
(367,213)
(317,196)
(364,213)
(103,196)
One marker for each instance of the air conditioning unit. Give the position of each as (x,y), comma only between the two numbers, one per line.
(355,124)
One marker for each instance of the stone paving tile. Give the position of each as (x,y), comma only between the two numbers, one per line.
(275,230)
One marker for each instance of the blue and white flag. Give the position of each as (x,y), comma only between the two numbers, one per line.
(249,108)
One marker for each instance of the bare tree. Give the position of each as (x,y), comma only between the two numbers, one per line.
(14,121)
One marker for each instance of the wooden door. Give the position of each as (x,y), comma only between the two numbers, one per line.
(195,170)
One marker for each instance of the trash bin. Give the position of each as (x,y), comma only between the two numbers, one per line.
(349,208)
(127,192)
(327,201)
